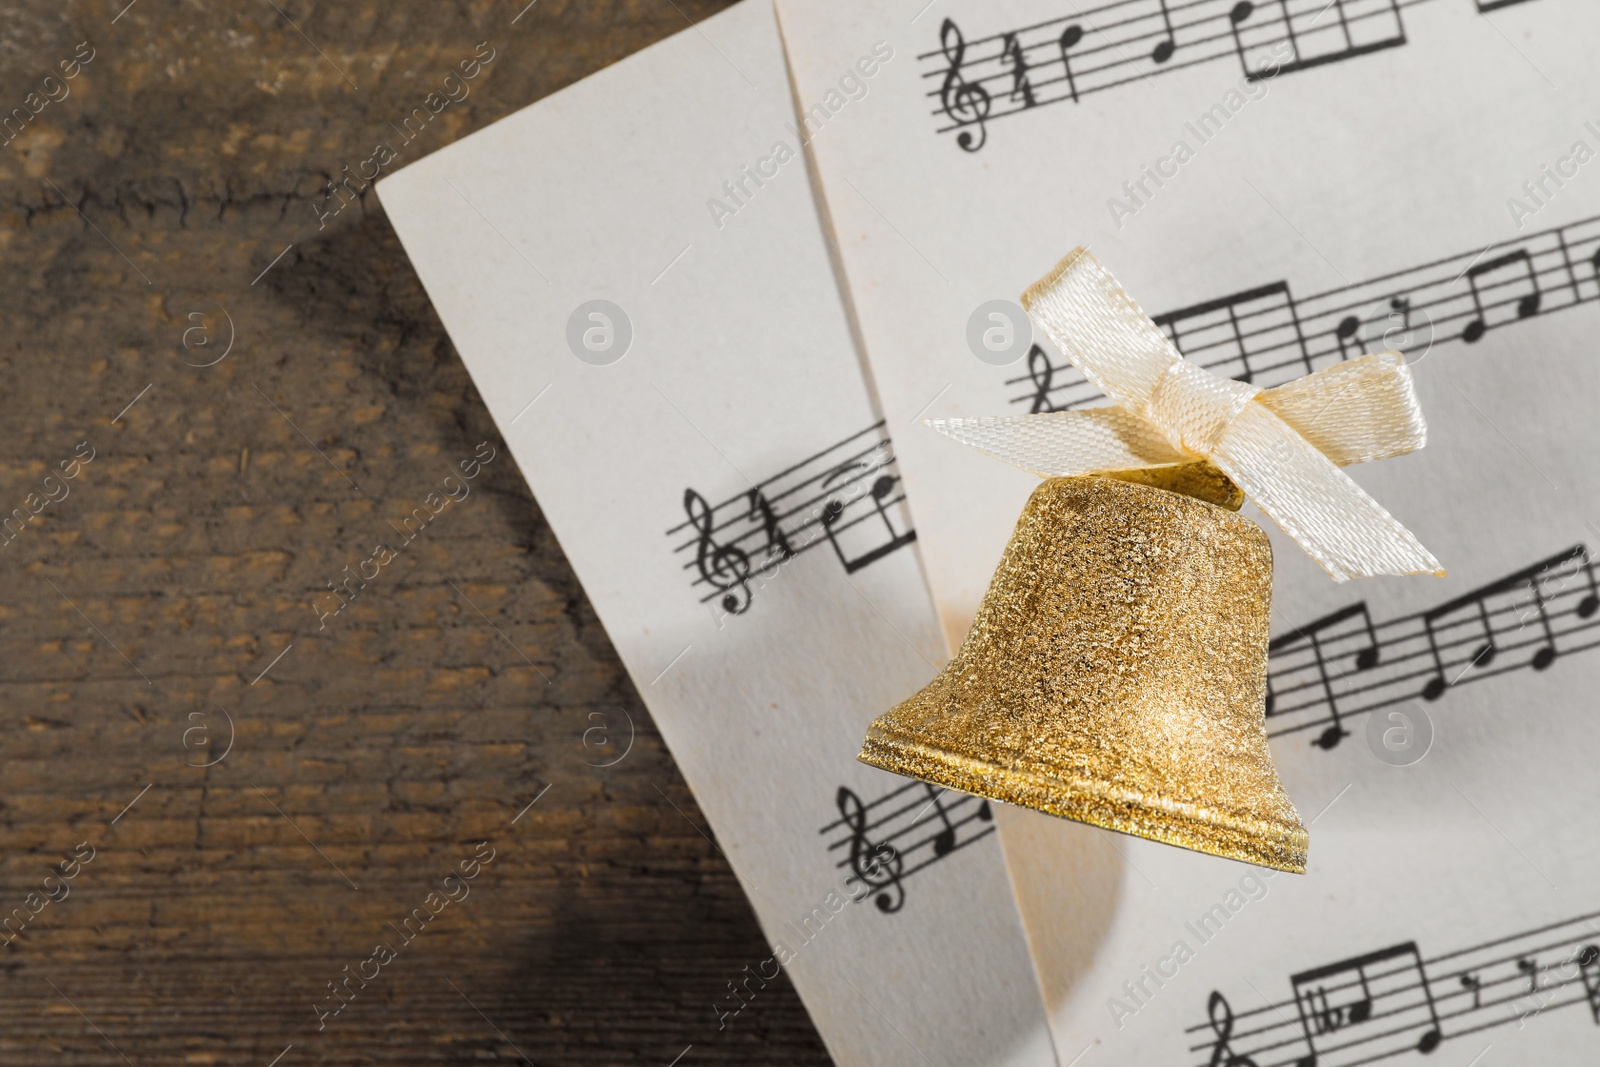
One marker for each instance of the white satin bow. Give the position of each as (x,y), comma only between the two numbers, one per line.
(1282,446)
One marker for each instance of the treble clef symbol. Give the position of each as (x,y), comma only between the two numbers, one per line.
(1222,1055)
(725,566)
(967,103)
(1042,373)
(877,866)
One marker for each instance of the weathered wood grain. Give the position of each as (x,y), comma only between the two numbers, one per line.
(188,554)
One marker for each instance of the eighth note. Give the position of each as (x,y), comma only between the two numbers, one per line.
(1527,305)
(1365,659)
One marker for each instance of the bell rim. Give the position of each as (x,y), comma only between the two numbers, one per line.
(1262,842)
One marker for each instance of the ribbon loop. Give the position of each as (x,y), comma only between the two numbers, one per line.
(1282,446)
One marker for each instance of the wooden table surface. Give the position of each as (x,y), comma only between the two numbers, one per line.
(166,199)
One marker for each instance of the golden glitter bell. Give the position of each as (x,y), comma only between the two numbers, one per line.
(1116,671)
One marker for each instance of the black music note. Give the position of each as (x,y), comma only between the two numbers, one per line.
(1530,577)
(877,866)
(1168,45)
(967,103)
(1365,658)
(1021,87)
(1587,606)
(726,567)
(1221,1054)
(1348,327)
(1348,31)
(1240,13)
(1402,305)
(833,513)
(1069,38)
(1589,969)
(1531,969)
(944,842)
(777,541)
(1474,983)
(1328,1001)
(1040,372)
(1208,332)
(1527,306)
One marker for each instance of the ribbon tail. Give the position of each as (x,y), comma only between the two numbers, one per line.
(1061,444)
(1359,410)
(1346,531)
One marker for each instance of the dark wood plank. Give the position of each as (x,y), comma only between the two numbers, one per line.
(190,552)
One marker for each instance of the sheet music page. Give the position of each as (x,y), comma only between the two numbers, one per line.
(1282,185)
(689,407)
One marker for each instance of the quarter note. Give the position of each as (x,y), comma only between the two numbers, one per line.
(877,866)
(1531,969)
(726,567)
(1168,44)
(1069,40)
(1527,305)
(1474,983)
(1239,14)
(967,103)
(1021,87)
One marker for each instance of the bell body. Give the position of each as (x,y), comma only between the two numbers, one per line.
(1115,674)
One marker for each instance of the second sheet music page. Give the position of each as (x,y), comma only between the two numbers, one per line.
(1282,184)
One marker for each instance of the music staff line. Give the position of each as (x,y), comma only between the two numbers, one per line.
(1157,35)
(813,507)
(834,491)
(1425,654)
(1432,997)
(1270,336)
(1112,44)
(1473,991)
(877,860)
